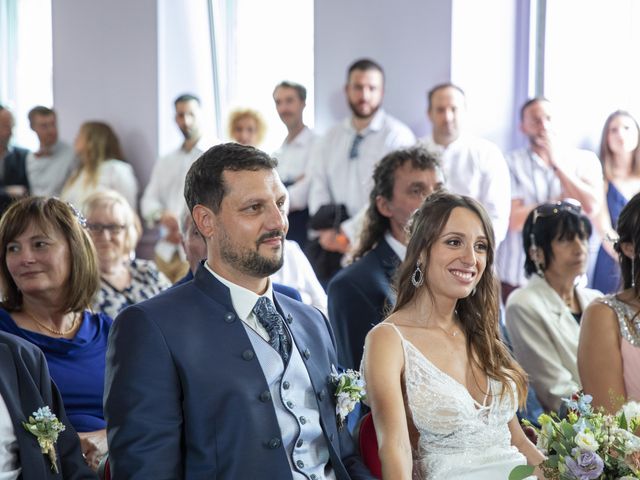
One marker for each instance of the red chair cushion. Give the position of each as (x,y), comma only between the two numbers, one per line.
(368,444)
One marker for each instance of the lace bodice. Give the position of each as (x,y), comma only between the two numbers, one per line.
(458,437)
(629,324)
(628,321)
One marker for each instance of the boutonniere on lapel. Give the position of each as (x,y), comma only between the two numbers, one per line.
(46,427)
(349,391)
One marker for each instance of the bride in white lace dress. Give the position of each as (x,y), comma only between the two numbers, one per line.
(442,387)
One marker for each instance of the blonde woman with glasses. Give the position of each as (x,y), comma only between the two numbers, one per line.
(115,229)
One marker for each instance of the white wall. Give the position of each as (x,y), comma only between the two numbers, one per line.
(411,39)
(483,55)
(108,47)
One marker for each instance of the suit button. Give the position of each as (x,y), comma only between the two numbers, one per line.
(265,396)
(229,317)
(286,385)
(303,420)
(290,404)
(248,355)
(307,353)
(289,318)
(313,476)
(299,443)
(300,464)
(274,443)
(322,395)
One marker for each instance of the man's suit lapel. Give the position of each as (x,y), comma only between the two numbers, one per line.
(10,388)
(388,258)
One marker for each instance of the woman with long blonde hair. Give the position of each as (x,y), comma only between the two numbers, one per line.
(101,166)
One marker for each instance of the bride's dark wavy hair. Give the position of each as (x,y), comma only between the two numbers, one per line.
(478,313)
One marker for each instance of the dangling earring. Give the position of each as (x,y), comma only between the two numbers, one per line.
(417,279)
(633,273)
(473,292)
(533,254)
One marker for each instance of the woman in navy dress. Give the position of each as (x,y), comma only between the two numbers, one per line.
(49,274)
(620,157)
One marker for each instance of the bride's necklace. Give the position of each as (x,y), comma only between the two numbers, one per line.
(454,332)
(53,330)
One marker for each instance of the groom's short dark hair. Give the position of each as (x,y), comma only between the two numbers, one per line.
(204,184)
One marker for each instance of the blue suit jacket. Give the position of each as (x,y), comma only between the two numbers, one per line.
(25,386)
(277,287)
(357,299)
(185,391)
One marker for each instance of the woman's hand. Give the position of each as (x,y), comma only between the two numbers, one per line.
(94,447)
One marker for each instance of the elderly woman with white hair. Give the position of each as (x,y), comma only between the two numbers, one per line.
(115,230)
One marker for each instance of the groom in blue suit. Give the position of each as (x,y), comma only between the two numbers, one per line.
(221,377)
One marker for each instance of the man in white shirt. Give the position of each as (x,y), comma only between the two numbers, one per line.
(293,155)
(472,166)
(163,199)
(544,171)
(344,160)
(48,168)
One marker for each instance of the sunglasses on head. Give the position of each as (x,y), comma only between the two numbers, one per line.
(550,209)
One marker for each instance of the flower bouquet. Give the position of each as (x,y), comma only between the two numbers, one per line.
(587,444)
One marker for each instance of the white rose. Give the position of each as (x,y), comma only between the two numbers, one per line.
(586,441)
(344,404)
(545,435)
(631,411)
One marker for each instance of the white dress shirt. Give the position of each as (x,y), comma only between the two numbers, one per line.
(47,174)
(165,192)
(476,168)
(297,272)
(339,179)
(293,161)
(398,247)
(112,175)
(534,182)
(243,301)
(9,460)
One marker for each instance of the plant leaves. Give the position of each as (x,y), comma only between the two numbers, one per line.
(521,472)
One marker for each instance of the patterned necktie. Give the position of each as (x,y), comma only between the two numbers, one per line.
(273,322)
(353,153)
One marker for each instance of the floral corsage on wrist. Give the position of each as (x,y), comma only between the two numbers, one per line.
(46,427)
(349,391)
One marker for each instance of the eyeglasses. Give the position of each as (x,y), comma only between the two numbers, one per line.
(112,228)
(550,209)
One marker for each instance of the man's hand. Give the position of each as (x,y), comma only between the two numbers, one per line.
(333,241)
(170,222)
(94,447)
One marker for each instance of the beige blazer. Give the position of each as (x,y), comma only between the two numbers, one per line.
(544,336)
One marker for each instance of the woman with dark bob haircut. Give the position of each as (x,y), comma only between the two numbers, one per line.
(609,349)
(543,318)
(442,387)
(49,275)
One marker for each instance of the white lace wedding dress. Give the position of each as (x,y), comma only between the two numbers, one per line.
(459,438)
